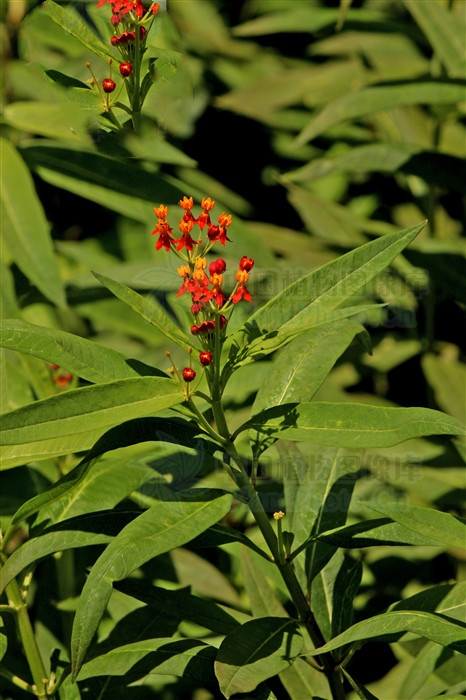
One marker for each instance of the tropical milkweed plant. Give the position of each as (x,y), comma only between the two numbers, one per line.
(161,477)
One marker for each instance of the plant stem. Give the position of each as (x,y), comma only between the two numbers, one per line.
(136,101)
(28,640)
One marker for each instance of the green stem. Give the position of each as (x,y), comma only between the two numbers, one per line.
(16,680)
(28,640)
(136,97)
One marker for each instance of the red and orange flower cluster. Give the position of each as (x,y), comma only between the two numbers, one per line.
(121,8)
(204,282)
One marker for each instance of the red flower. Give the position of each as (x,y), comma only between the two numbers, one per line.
(241,293)
(163,230)
(186,241)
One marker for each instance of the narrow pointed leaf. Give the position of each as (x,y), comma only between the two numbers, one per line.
(437,628)
(256,651)
(324,290)
(444,32)
(148,308)
(187,658)
(70,21)
(74,420)
(128,433)
(351,425)
(85,358)
(444,528)
(81,532)
(355,105)
(163,527)
(25,227)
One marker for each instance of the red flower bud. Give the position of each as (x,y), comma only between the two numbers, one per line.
(195,308)
(217,267)
(142,33)
(205,358)
(223,322)
(108,85)
(195,330)
(188,374)
(115,40)
(246,263)
(126,69)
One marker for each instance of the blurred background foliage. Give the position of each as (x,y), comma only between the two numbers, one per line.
(319,125)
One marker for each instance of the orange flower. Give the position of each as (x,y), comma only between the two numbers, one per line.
(161,212)
(186,203)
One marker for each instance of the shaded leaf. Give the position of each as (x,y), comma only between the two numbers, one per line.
(161,528)
(256,651)
(188,658)
(355,105)
(25,227)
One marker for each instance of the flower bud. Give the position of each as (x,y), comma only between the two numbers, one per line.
(115,40)
(246,263)
(188,374)
(223,322)
(108,85)
(142,33)
(217,267)
(126,69)
(205,358)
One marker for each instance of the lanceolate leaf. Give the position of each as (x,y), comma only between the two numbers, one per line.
(351,425)
(189,658)
(25,227)
(303,365)
(437,628)
(444,33)
(74,420)
(324,290)
(354,105)
(128,433)
(444,528)
(77,532)
(256,651)
(163,527)
(70,21)
(85,358)
(149,309)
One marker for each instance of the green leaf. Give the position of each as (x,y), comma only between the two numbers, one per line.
(53,120)
(300,679)
(256,651)
(70,21)
(85,358)
(351,425)
(393,624)
(300,19)
(187,658)
(25,227)
(73,420)
(184,606)
(445,31)
(360,690)
(161,528)
(324,290)
(118,185)
(355,105)
(76,532)
(447,376)
(303,365)
(440,169)
(128,433)
(149,309)
(443,528)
